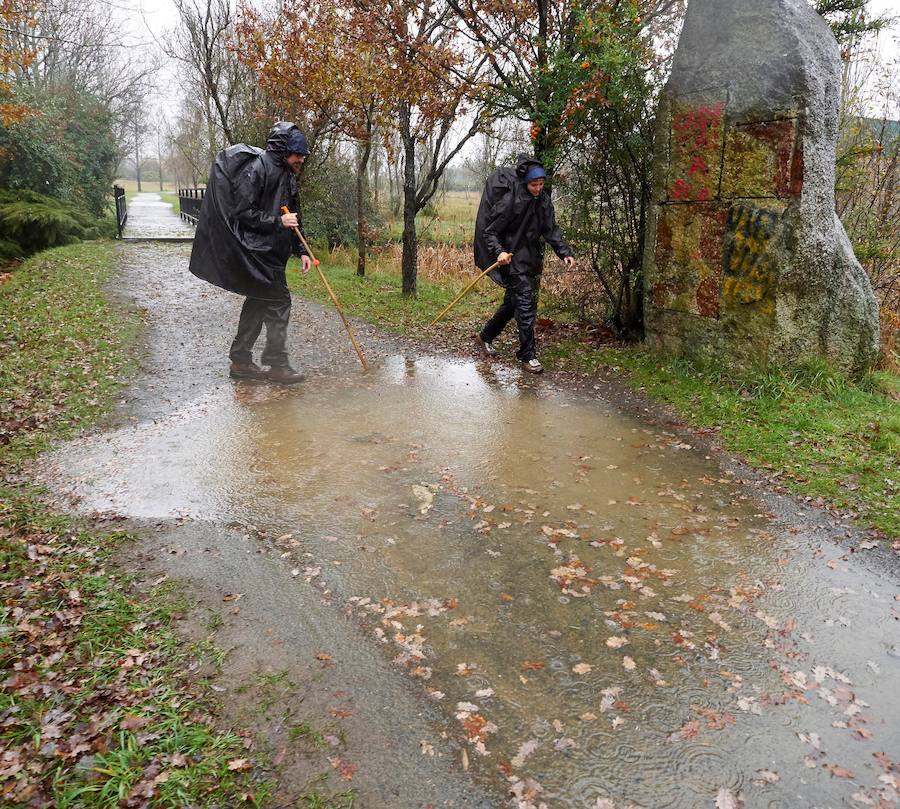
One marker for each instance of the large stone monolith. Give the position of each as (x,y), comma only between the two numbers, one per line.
(746,260)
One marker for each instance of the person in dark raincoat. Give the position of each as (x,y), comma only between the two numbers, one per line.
(515,218)
(243,243)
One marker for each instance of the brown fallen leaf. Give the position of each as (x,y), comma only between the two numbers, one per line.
(838,772)
(690,730)
(132,722)
(346,769)
(532,665)
(239,764)
(232,596)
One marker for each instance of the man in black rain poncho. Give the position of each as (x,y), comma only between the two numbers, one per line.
(243,243)
(515,218)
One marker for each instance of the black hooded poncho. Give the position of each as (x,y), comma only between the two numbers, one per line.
(240,244)
(511,220)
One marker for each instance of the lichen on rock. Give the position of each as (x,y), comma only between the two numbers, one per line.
(746,260)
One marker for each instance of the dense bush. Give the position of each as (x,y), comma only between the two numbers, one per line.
(30,222)
(328,204)
(64,149)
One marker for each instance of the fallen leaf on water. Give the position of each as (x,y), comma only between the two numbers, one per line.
(616,642)
(525,750)
(426,747)
(726,799)
(532,665)
(766,777)
(232,596)
(425,498)
(838,772)
(582,668)
(628,663)
(690,730)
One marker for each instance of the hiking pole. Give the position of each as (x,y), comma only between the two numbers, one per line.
(315,261)
(465,292)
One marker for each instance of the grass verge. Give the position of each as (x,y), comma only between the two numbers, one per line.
(94,708)
(833,441)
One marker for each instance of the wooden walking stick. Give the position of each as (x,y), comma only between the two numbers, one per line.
(315,261)
(465,292)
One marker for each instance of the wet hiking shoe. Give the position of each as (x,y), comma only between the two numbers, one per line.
(487,347)
(246,370)
(533,366)
(283,375)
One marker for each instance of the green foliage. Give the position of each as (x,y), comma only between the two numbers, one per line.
(328,204)
(65,150)
(604,98)
(849,19)
(31,222)
(820,434)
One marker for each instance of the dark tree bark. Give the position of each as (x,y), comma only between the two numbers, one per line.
(409,263)
(362,194)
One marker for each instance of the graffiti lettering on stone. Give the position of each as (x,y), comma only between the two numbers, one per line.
(696,159)
(762,159)
(689,258)
(750,271)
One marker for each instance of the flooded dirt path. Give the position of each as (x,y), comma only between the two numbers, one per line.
(523,589)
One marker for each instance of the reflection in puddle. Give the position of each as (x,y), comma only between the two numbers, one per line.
(600,613)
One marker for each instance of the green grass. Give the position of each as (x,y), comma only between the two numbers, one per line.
(820,435)
(172,199)
(110,674)
(452,220)
(63,347)
(377,297)
(95,707)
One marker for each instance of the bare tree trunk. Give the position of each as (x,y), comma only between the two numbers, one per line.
(159,160)
(376,171)
(137,157)
(362,193)
(409,268)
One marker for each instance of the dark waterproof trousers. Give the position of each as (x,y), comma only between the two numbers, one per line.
(520,301)
(276,315)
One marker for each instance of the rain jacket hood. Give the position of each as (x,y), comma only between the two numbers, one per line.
(510,219)
(240,244)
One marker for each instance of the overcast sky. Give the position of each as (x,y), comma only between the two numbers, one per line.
(151,19)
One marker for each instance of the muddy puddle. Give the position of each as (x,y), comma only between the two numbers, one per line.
(602,615)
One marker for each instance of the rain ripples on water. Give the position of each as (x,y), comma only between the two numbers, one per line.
(600,612)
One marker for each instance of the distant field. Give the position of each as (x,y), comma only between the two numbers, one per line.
(130,186)
(454,222)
